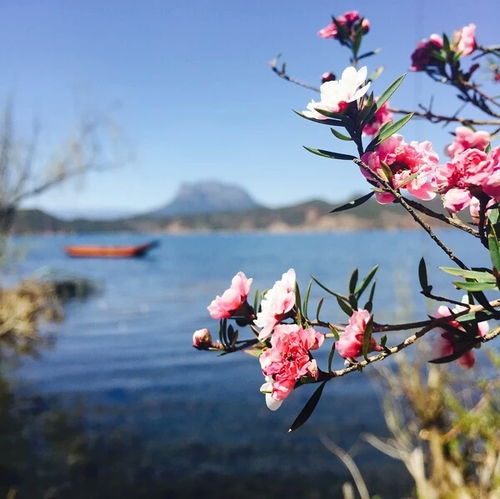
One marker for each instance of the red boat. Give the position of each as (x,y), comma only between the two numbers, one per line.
(101,251)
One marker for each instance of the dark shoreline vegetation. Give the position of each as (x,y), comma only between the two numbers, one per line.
(313,216)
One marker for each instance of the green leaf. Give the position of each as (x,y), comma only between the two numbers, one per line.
(329,122)
(344,118)
(367,337)
(344,306)
(232,336)
(308,409)
(475,316)
(330,358)
(446,42)
(422,276)
(318,308)
(305,305)
(383,341)
(366,281)
(330,154)
(339,135)
(469,274)
(369,303)
(328,290)
(494,246)
(357,41)
(475,286)
(390,130)
(353,203)
(353,281)
(386,95)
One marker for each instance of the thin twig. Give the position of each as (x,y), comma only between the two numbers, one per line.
(454,222)
(439,118)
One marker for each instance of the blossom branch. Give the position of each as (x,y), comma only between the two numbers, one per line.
(410,340)
(439,118)
(411,211)
(454,222)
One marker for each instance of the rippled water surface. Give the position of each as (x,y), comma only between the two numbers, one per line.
(155,418)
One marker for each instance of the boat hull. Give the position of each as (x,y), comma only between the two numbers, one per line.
(97,251)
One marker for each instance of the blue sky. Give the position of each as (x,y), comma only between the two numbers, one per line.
(189,87)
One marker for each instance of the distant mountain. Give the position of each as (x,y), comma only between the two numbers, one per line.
(309,216)
(206,197)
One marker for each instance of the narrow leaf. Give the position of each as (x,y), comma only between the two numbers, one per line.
(469,274)
(318,308)
(305,303)
(353,203)
(392,129)
(422,276)
(330,154)
(330,357)
(366,281)
(339,135)
(474,286)
(353,281)
(329,122)
(308,409)
(344,306)
(328,290)
(386,95)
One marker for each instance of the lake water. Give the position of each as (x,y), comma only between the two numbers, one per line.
(121,405)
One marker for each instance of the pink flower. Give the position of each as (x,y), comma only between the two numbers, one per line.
(288,360)
(349,20)
(277,302)
(448,342)
(411,167)
(382,116)
(422,57)
(202,340)
(465,138)
(350,343)
(464,40)
(329,31)
(337,94)
(232,299)
(474,207)
(469,172)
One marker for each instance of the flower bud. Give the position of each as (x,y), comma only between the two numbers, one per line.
(327,77)
(202,339)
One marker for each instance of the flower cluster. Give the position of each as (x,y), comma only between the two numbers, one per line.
(471,172)
(350,343)
(336,95)
(428,53)
(345,26)
(410,166)
(288,360)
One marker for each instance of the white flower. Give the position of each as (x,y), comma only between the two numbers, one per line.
(277,302)
(337,92)
(267,390)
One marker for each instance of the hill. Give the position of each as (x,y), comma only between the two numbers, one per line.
(206,197)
